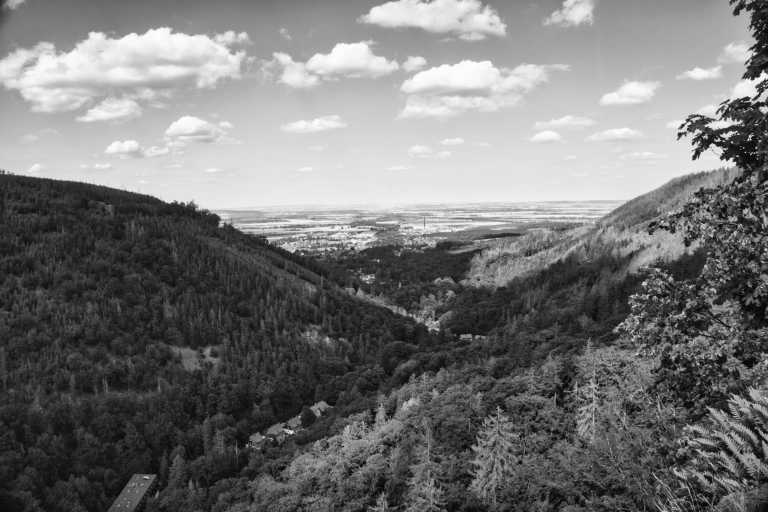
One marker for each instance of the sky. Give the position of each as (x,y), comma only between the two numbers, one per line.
(248,104)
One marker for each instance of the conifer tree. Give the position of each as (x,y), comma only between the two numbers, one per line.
(495,457)
(424,493)
(381,417)
(178,472)
(588,397)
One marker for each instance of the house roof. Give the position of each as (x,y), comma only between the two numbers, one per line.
(132,495)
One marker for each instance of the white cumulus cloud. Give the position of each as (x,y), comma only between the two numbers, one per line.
(35,168)
(193,129)
(112,109)
(320,124)
(454,141)
(546,136)
(573,13)
(615,134)
(292,73)
(354,60)
(735,53)
(452,89)
(414,63)
(125,149)
(631,93)
(746,88)
(567,121)
(468,19)
(699,74)
(140,67)
(350,60)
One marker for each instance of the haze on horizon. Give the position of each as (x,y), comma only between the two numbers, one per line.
(240,104)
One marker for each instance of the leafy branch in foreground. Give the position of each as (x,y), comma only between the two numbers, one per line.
(708,331)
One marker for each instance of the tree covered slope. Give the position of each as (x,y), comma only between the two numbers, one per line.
(101,291)
(622,232)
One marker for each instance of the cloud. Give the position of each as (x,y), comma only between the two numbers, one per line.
(746,88)
(615,134)
(35,168)
(398,168)
(193,129)
(572,14)
(112,109)
(708,110)
(643,155)
(355,60)
(293,74)
(468,19)
(213,170)
(285,34)
(546,136)
(737,52)
(132,149)
(125,149)
(420,151)
(232,38)
(139,67)
(414,63)
(320,124)
(154,151)
(674,124)
(455,141)
(13,4)
(452,89)
(305,169)
(318,147)
(631,93)
(568,121)
(351,60)
(699,74)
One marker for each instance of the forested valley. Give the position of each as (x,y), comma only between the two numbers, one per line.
(619,366)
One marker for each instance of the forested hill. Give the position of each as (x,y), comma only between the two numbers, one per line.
(623,232)
(108,300)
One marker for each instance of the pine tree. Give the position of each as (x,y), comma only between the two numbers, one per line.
(586,415)
(426,496)
(424,492)
(381,417)
(495,457)
(178,472)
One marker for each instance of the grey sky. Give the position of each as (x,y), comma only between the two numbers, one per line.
(248,103)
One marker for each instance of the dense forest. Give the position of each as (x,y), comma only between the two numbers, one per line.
(596,372)
(103,295)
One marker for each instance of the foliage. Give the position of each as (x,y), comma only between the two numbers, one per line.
(727,455)
(708,329)
(496,456)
